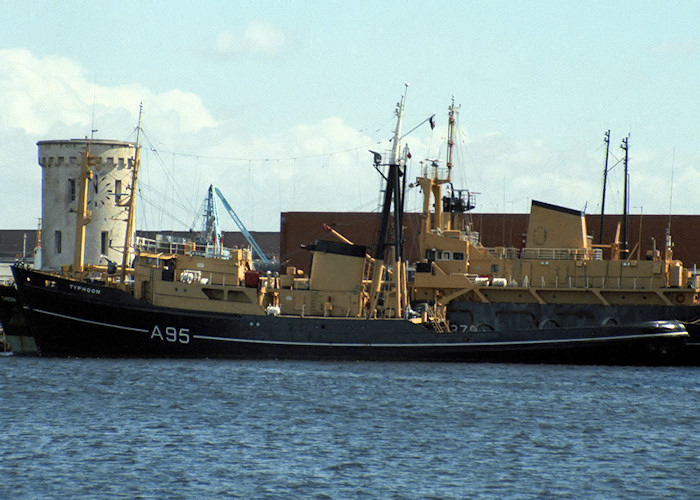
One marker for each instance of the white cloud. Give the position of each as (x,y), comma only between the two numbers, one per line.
(51,98)
(509,173)
(258,37)
(52,93)
(36,92)
(322,166)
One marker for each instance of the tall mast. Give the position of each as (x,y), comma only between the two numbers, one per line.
(394,192)
(450,138)
(625,214)
(431,180)
(132,199)
(393,186)
(449,223)
(606,139)
(396,146)
(667,249)
(83,215)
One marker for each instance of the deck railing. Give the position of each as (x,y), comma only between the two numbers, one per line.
(562,254)
(170,246)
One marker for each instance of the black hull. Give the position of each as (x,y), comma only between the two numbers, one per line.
(508,316)
(11,319)
(91,320)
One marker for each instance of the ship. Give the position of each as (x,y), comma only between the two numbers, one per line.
(193,300)
(559,279)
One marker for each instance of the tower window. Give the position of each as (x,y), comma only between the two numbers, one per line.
(104,242)
(71,187)
(57,241)
(117,192)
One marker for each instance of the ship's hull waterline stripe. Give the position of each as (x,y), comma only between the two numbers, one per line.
(360,344)
(495,343)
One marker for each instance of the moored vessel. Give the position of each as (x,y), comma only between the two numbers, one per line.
(70,318)
(202,301)
(559,279)
(12,322)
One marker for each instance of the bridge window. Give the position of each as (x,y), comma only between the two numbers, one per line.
(443,255)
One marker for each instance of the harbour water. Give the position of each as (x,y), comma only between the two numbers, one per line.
(95,428)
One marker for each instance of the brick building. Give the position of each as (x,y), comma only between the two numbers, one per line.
(299,228)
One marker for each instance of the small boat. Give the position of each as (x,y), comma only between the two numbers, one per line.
(12,322)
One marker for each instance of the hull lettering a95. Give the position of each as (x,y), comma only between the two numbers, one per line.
(171,334)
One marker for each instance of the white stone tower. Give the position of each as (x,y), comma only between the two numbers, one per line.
(108,193)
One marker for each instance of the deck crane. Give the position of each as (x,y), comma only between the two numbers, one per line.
(246,234)
(211,234)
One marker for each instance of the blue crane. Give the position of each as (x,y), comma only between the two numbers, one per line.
(246,234)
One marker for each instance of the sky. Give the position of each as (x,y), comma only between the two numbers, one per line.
(277,103)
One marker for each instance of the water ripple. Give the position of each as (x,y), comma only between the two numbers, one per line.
(185,429)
